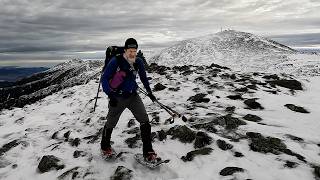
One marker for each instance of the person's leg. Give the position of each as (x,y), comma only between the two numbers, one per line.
(113,116)
(139,112)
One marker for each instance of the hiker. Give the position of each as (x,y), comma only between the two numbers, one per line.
(126,96)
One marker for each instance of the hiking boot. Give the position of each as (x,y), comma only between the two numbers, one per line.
(151,157)
(108,152)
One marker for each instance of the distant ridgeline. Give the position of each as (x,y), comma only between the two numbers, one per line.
(10,74)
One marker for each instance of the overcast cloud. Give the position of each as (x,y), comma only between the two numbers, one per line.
(63,29)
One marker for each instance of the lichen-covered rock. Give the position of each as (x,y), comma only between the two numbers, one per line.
(230,170)
(183,133)
(202,139)
(253,118)
(224,145)
(190,155)
(295,108)
(122,173)
(50,162)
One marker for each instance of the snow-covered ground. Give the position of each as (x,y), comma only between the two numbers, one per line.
(52,125)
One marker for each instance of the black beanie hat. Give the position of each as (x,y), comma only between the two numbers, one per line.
(131,43)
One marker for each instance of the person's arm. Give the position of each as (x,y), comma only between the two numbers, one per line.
(106,76)
(144,79)
(143,75)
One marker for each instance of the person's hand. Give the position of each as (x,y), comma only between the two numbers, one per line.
(113,101)
(151,96)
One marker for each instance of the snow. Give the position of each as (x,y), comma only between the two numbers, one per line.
(69,110)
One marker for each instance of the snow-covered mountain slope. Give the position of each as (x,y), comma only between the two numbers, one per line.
(240,51)
(220,140)
(40,85)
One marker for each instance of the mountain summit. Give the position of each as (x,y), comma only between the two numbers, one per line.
(223,48)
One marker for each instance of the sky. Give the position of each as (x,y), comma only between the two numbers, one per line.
(38,31)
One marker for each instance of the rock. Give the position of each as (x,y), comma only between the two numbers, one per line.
(50,162)
(265,144)
(122,173)
(295,138)
(252,104)
(131,123)
(202,139)
(77,154)
(234,97)
(238,154)
(153,67)
(273,76)
(230,170)
(290,84)
(218,66)
(5,148)
(291,164)
(229,122)
(223,145)
(73,172)
(210,126)
(183,133)
(174,89)
(95,137)
(162,135)
(55,135)
(253,118)
(134,130)
(132,142)
(244,89)
(159,87)
(75,142)
(295,108)
(231,109)
(190,155)
(67,134)
(199,98)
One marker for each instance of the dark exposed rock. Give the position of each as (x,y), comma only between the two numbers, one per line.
(244,89)
(230,170)
(95,137)
(202,139)
(75,142)
(231,109)
(70,172)
(290,84)
(295,138)
(131,123)
(218,66)
(162,135)
(265,144)
(67,134)
(209,126)
(183,133)
(198,98)
(49,163)
(153,67)
(181,68)
(295,108)
(5,148)
(238,154)
(251,117)
(55,135)
(159,87)
(190,155)
(223,145)
(252,104)
(291,164)
(298,156)
(234,97)
(252,86)
(187,73)
(132,142)
(200,79)
(77,154)
(134,130)
(229,122)
(273,76)
(122,173)
(174,89)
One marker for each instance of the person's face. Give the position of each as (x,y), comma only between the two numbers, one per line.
(131,54)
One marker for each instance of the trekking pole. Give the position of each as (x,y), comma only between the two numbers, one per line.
(169,110)
(95,103)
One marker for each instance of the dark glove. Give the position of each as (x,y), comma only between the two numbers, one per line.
(113,101)
(151,96)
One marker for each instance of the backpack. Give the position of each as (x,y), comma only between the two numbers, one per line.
(111,52)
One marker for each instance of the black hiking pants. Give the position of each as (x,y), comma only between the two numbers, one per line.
(136,106)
